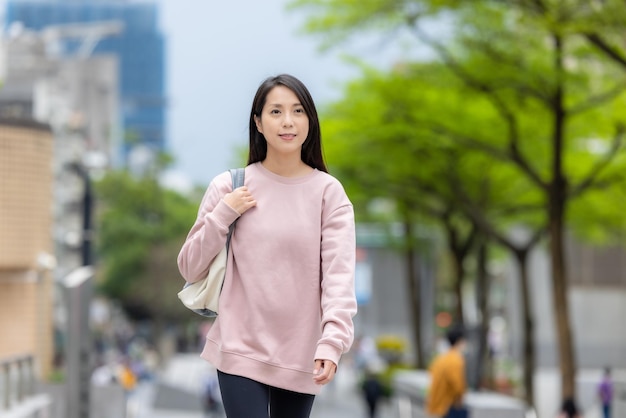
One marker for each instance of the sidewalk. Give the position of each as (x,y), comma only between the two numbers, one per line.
(548,392)
(341,399)
(182,381)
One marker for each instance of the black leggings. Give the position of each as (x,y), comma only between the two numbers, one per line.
(247,398)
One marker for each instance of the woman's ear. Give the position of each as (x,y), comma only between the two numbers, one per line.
(257,122)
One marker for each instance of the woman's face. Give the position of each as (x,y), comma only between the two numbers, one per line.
(283,122)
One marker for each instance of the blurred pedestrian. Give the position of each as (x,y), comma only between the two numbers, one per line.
(286,307)
(569,409)
(126,376)
(448,382)
(605,392)
(211,394)
(372,387)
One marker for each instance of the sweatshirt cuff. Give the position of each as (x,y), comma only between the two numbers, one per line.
(328,352)
(223,214)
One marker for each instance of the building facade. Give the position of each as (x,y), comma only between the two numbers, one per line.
(76,99)
(77,96)
(140,48)
(26,247)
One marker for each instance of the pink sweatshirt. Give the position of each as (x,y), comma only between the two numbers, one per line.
(288,297)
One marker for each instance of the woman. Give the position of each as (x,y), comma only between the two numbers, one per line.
(288,300)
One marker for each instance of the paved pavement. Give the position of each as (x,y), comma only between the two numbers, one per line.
(176,394)
(548,393)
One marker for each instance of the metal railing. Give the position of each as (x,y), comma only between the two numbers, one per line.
(17,380)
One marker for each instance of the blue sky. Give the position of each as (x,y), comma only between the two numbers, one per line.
(218,54)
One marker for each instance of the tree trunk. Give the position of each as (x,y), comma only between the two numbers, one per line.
(459,274)
(415,293)
(557,201)
(528,327)
(459,249)
(561,301)
(483,287)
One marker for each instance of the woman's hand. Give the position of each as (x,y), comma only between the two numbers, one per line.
(240,200)
(324,371)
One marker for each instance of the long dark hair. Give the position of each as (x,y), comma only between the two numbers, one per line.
(311,153)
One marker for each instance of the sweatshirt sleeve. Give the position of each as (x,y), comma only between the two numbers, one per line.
(338,300)
(208,234)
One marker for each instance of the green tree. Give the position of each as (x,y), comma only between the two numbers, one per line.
(141,227)
(600,23)
(426,173)
(552,87)
(385,169)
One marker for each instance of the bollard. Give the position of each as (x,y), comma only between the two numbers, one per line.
(30,376)
(19,380)
(6,402)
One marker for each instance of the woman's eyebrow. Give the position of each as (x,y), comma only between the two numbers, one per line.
(281,105)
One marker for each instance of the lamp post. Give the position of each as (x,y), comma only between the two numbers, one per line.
(79,290)
(87,212)
(78,358)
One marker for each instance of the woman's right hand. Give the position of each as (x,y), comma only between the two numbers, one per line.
(240,199)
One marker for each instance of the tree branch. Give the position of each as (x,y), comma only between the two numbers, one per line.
(519,209)
(513,134)
(601,164)
(597,100)
(518,65)
(479,219)
(609,50)
(594,38)
(513,155)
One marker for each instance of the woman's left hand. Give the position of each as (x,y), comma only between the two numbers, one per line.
(324,371)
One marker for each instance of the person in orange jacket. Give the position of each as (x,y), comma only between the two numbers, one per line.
(126,376)
(448,386)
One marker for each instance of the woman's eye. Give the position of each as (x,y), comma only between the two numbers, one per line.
(274,111)
(300,110)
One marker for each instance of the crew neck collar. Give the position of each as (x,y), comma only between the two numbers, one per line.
(283,179)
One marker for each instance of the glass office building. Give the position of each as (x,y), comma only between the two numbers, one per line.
(140,48)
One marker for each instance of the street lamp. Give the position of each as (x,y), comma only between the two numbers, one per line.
(87,211)
(79,290)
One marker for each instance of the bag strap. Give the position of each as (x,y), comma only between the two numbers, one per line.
(238,176)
